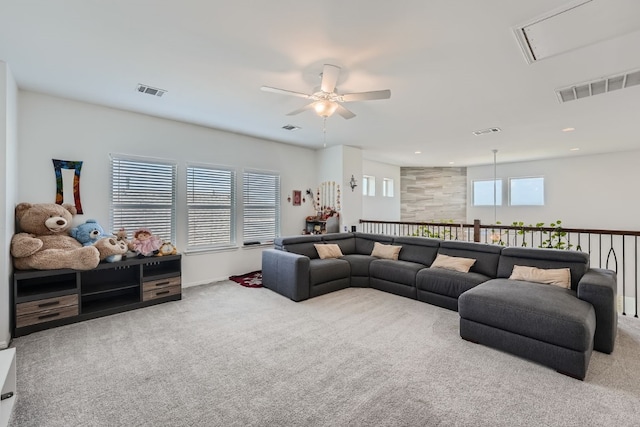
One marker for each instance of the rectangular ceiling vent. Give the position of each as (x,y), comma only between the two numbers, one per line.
(485,131)
(290,127)
(596,87)
(150,90)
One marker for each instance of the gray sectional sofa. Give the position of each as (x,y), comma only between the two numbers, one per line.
(551,325)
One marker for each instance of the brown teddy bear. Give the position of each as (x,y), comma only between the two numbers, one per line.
(44,242)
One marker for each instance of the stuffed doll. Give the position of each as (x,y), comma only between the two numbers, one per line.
(44,242)
(145,243)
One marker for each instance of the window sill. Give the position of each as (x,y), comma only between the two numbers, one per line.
(210,250)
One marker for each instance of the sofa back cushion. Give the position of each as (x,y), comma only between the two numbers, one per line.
(577,262)
(486,256)
(346,241)
(364,242)
(302,245)
(417,249)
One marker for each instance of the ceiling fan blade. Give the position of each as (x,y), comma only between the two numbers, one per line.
(330,75)
(285,92)
(346,114)
(300,110)
(366,96)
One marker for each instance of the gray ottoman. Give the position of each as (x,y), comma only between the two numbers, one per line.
(543,323)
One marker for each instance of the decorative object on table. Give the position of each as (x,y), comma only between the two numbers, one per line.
(249,280)
(297,197)
(58,165)
(44,242)
(92,234)
(167,248)
(353,183)
(144,243)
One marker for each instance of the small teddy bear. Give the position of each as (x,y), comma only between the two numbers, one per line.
(92,234)
(145,243)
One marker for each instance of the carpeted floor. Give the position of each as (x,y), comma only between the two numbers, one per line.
(227,355)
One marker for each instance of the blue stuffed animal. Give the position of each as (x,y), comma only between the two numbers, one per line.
(91,233)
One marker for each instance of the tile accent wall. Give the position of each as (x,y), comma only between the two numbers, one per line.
(433,194)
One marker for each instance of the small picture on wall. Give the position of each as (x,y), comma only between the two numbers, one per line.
(297,197)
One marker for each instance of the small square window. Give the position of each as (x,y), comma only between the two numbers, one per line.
(483,192)
(387,187)
(526,191)
(368,185)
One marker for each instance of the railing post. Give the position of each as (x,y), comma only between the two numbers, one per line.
(476,230)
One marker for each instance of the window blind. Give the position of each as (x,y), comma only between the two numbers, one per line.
(261,207)
(143,194)
(211,205)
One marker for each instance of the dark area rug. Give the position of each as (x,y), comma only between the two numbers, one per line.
(249,280)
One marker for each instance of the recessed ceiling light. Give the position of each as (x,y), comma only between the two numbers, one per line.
(451,163)
(574,149)
(418,152)
(568,129)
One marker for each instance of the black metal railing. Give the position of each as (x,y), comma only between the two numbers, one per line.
(615,250)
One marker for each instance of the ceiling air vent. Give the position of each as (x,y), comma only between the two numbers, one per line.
(150,90)
(485,131)
(596,87)
(290,127)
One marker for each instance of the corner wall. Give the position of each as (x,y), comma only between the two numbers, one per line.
(8,164)
(433,194)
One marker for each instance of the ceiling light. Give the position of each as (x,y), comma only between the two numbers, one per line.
(574,149)
(418,152)
(568,129)
(325,108)
(451,163)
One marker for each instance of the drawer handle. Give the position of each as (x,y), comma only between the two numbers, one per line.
(48,304)
(162,292)
(162,283)
(48,316)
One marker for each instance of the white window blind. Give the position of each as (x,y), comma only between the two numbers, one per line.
(261,194)
(211,205)
(143,194)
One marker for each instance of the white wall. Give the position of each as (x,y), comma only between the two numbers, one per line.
(52,127)
(8,197)
(595,191)
(378,207)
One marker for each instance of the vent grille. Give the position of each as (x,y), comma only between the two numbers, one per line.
(485,131)
(150,90)
(596,87)
(291,127)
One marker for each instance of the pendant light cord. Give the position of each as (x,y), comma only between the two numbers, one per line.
(495,191)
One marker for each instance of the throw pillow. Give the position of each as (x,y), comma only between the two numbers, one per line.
(455,263)
(328,251)
(555,276)
(385,251)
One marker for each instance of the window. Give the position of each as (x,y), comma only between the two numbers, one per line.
(261,194)
(526,191)
(143,194)
(368,185)
(211,207)
(387,187)
(483,192)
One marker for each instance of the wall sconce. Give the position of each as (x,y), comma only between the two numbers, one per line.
(353,183)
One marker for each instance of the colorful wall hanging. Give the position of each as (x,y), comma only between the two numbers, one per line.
(58,165)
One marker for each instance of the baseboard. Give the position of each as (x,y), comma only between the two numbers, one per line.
(3,345)
(204,282)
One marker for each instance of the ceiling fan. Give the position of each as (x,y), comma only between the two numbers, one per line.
(326,101)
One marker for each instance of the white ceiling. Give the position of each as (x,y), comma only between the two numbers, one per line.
(452,66)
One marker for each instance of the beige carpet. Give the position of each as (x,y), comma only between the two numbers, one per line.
(232,356)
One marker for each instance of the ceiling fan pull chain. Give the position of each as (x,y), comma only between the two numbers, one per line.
(324,131)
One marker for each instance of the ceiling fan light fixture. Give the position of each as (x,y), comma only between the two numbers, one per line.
(325,108)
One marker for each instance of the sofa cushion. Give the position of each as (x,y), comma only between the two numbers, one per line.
(346,241)
(359,264)
(326,270)
(403,272)
(364,242)
(448,282)
(385,251)
(454,263)
(329,250)
(551,276)
(486,256)
(417,249)
(302,245)
(577,262)
(542,312)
